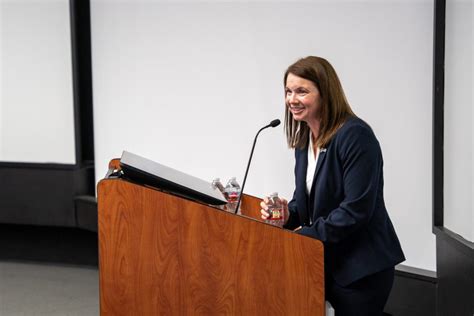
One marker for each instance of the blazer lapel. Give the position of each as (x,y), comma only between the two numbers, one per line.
(321,158)
(301,196)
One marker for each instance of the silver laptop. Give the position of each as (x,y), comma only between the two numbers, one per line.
(145,171)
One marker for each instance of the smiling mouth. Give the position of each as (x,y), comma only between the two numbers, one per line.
(296,108)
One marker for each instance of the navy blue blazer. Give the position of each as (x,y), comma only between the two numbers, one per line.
(345,208)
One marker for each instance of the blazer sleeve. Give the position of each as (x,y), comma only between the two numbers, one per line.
(294,218)
(361,160)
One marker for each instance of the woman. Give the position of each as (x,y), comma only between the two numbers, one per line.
(339,189)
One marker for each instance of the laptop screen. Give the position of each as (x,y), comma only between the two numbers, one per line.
(145,171)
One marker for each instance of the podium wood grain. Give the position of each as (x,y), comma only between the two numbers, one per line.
(164,255)
(250,207)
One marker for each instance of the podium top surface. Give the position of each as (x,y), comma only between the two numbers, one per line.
(143,170)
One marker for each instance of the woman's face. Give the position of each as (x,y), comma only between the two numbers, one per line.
(303,99)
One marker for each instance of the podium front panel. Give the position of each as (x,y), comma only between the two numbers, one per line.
(164,255)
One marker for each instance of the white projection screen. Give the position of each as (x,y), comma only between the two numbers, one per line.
(458,119)
(36,92)
(189,83)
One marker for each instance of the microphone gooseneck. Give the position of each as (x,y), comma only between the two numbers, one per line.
(273,123)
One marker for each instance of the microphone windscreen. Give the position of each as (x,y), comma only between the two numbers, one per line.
(275,123)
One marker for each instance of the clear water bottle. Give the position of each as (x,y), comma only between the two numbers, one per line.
(217,184)
(232,192)
(275,208)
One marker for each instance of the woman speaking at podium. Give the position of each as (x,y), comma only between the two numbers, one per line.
(338,197)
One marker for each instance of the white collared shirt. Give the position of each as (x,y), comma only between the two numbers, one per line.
(312,162)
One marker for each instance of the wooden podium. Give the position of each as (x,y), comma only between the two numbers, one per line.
(161,254)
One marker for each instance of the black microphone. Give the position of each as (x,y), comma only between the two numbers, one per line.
(273,123)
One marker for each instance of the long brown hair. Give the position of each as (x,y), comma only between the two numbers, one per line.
(335,109)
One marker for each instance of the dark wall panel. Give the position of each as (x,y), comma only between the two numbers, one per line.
(42,194)
(413,293)
(57,245)
(455,265)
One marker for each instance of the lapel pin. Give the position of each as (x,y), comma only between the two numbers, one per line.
(323,150)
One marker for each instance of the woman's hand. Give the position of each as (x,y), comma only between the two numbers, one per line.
(264,211)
